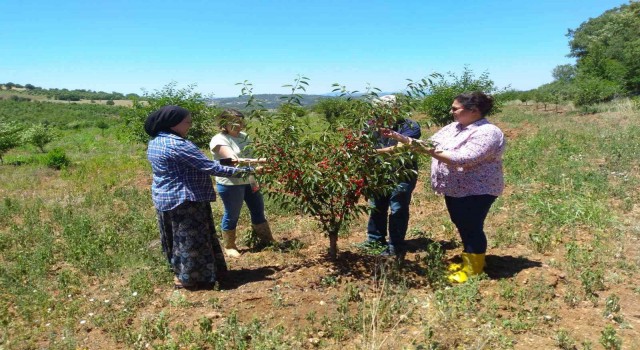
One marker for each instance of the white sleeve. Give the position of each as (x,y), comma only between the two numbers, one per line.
(218,140)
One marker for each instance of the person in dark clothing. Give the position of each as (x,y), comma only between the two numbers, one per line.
(182,191)
(389,213)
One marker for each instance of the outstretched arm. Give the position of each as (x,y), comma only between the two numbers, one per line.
(192,156)
(416,144)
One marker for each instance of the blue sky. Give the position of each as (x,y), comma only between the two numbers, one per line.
(130,45)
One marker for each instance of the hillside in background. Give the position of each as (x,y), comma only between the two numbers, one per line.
(268,101)
(29,91)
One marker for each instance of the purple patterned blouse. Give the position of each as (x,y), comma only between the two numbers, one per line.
(477,160)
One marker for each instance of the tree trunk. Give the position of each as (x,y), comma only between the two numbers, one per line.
(333,245)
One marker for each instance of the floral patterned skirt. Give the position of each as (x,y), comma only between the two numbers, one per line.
(190,244)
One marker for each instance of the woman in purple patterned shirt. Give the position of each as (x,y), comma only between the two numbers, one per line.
(467,169)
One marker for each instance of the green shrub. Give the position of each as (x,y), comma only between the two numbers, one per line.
(38,135)
(102,125)
(510,95)
(19,98)
(524,97)
(332,108)
(591,90)
(76,125)
(609,339)
(438,103)
(68,96)
(288,108)
(201,114)
(57,159)
(9,137)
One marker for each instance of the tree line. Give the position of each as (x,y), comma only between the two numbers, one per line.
(69,95)
(606,49)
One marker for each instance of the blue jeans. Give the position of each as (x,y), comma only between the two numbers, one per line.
(233,197)
(468,214)
(398,219)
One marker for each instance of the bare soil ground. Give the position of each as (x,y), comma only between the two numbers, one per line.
(283,289)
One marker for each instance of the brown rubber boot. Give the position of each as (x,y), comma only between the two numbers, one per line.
(263,231)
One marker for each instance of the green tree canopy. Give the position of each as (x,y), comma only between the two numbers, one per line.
(607,47)
(564,72)
(442,92)
(201,114)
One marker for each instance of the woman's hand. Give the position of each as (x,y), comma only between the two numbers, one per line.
(421,146)
(261,170)
(228,161)
(386,132)
(252,160)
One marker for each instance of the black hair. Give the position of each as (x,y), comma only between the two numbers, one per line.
(476,100)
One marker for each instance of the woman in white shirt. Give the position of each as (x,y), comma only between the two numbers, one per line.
(231,142)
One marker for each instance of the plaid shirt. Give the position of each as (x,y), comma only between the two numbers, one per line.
(181,172)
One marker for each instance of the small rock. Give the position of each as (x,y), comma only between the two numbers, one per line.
(213,315)
(154,244)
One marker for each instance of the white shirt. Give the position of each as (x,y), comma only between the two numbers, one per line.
(237,146)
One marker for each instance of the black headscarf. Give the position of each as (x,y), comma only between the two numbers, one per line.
(163,119)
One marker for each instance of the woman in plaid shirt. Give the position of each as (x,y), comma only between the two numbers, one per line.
(182,191)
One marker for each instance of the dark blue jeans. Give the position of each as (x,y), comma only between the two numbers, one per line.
(397,219)
(468,214)
(233,197)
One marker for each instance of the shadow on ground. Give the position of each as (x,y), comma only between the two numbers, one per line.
(238,277)
(497,266)
(420,244)
(506,266)
(358,265)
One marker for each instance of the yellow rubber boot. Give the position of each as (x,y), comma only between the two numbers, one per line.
(472,264)
(229,241)
(454,267)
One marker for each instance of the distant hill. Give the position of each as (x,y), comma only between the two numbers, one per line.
(272,101)
(268,101)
